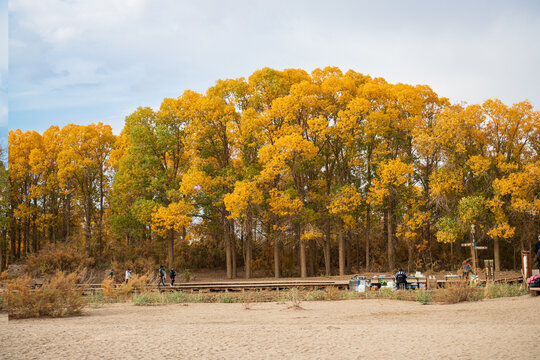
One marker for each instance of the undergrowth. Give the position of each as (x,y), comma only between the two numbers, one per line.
(57,297)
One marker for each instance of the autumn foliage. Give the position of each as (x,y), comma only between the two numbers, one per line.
(52,258)
(285,173)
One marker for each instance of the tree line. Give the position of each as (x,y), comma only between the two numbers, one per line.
(288,173)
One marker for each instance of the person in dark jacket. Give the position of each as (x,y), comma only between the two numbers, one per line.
(162,275)
(537,251)
(401,279)
(173,275)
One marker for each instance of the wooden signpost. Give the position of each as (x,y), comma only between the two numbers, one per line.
(474,248)
(490,273)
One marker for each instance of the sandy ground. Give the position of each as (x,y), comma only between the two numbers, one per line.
(354,329)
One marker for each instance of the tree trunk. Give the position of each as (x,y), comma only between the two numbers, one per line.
(171,249)
(496,254)
(34,237)
(100,221)
(13,235)
(227,244)
(248,253)
(228,255)
(88,221)
(410,251)
(326,250)
(390,239)
(26,244)
(233,251)
(341,250)
(348,252)
(368,225)
(1,255)
(303,268)
(312,251)
(276,255)
(19,240)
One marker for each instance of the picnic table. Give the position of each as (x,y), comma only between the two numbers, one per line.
(414,281)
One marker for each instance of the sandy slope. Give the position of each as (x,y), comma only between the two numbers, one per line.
(354,329)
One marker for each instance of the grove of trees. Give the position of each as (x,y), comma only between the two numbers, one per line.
(285,173)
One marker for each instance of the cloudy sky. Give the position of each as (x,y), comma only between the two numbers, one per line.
(97,60)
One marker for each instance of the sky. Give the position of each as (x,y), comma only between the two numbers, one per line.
(90,61)
(3,72)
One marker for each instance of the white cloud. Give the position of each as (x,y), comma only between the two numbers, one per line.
(95,52)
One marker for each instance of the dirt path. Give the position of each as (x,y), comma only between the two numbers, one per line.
(354,329)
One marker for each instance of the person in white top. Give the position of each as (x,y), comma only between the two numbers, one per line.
(128,274)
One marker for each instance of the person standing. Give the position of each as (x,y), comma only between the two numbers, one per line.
(467,271)
(128,274)
(172,273)
(111,274)
(161,276)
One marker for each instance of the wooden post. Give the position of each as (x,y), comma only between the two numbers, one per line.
(474,254)
(490,273)
(526,264)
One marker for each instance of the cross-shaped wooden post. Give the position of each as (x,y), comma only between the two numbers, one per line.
(474,248)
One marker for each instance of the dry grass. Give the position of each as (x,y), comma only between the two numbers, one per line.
(124,291)
(57,297)
(294,298)
(247,300)
(456,294)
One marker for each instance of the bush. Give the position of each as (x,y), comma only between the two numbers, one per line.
(186,275)
(108,289)
(492,291)
(423,297)
(456,294)
(148,298)
(177,297)
(227,298)
(53,258)
(294,298)
(137,283)
(316,295)
(57,297)
(96,299)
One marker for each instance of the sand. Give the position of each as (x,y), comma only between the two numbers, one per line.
(354,329)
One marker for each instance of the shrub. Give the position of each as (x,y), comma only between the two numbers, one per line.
(227,298)
(148,298)
(53,258)
(247,300)
(57,297)
(177,297)
(456,294)
(423,297)
(108,289)
(294,298)
(333,293)
(186,275)
(124,290)
(316,295)
(492,291)
(96,299)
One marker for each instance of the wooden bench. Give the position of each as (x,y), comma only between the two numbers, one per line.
(535,291)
